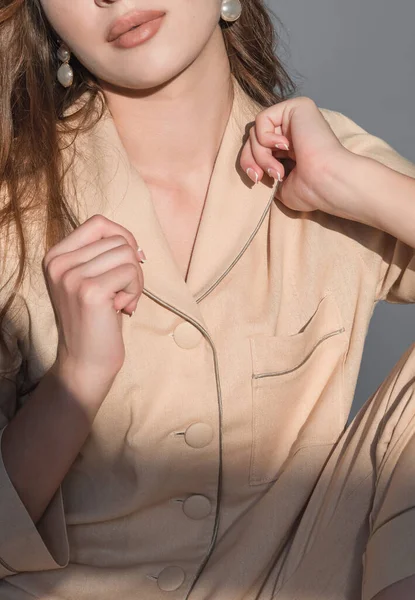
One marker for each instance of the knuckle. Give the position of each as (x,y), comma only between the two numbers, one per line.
(128,253)
(88,292)
(307,101)
(131,270)
(125,237)
(68,280)
(260,118)
(53,268)
(99,223)
(49,256)
(261,136)
(45,262)
(120,239)
(98,219)
(124,255)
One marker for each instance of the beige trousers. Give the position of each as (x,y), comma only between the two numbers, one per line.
(356,535)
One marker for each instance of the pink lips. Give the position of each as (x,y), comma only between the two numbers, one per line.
(130,20)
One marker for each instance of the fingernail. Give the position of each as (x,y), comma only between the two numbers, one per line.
(141,252)
(132,314)
(273,173)
(118,312)
(282,146)
(250,177)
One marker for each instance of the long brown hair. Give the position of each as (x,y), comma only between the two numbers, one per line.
(34,119)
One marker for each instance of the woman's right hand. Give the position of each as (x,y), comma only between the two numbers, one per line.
(91,274)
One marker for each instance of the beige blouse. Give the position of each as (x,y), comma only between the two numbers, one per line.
(235,386)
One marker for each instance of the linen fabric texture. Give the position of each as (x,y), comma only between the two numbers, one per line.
(220,465)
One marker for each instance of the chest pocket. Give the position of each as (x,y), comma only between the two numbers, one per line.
(297,389)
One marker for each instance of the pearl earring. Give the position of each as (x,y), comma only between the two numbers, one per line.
(65,73)
(231,10)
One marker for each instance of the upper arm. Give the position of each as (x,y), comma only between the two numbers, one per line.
(396,264)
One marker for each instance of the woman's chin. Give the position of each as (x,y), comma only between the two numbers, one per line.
(149,79)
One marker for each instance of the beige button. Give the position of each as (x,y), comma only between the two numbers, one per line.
(197,507)
(186,335)
(170,579)
(198,435)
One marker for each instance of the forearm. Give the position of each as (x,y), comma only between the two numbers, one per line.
(367,191)
(41,442)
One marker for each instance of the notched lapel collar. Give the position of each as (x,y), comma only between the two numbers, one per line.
(234,205)
(107,183)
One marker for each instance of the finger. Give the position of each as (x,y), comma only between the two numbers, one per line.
(93,229)
(110,259)
(262,158)
(271,137)
(271,140)
(69,260)
(117,256)
(121,280)
(123,302)
(282,142)
(248,164)
(282,147)
(251,166)
(268,126)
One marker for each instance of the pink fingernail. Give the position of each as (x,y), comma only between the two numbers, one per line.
(141,253)
(274,174)
(282,146)
(256,175)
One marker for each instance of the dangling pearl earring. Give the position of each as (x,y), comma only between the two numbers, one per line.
(65,73)
(231,10)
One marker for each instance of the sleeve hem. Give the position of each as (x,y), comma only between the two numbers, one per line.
(23,545)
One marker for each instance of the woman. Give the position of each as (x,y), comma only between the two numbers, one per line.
(197,450)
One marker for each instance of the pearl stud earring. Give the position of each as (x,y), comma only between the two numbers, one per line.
(65,73)
(231,10)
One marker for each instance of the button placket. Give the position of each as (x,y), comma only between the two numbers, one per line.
(197,435)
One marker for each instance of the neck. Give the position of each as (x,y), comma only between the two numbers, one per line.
(172,133)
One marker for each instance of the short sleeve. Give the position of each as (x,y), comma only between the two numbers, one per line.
(24,545)
(396,263)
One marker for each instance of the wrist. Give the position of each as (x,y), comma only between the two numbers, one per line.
(346,187)
(81,387)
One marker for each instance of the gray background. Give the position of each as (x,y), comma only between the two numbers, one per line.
(358,57)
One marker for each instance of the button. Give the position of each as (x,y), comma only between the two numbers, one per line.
(197,507)
(170,579)
(186,335)
(198,435)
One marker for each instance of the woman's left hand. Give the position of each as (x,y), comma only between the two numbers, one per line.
(302,134)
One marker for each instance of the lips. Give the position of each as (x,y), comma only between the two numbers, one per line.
(131,20)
